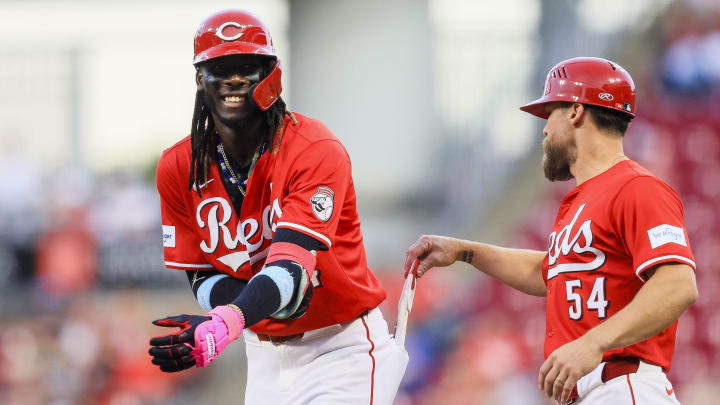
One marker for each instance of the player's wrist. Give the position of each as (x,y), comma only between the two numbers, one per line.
(239,311)
(232,318)
(462,251)
(596,340)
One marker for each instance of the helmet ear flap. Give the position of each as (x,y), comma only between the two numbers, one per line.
(267,91)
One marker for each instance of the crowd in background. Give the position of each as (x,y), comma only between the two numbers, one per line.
(690,62)
(70,242)
(67,231)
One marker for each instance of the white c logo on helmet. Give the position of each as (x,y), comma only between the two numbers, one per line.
(219,31)
(606,96)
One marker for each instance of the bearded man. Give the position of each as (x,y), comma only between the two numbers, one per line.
(619,270)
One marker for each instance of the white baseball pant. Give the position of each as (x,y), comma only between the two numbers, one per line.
(649,385)
(356,363)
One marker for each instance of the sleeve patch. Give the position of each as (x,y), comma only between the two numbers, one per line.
(322,203)
(663,234)
(168,236)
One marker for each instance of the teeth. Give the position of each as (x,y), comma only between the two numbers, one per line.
(232,99)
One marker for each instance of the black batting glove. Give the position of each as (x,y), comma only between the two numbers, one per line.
(172,351)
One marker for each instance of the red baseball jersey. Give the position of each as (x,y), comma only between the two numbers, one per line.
(609,230)
(305,185)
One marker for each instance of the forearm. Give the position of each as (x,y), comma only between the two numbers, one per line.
(258,299)
(518,268)
(212,288)
(262,297)
(663,298)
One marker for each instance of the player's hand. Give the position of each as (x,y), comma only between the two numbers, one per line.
(431,251)
(566,365)
(199,341)
(172,351)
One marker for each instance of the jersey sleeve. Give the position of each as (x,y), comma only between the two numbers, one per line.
(180,245)
(316,189)
(648,217)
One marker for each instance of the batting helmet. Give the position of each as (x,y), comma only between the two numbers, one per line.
(592,81)
(238,32)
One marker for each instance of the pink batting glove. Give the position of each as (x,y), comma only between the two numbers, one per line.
(213,336)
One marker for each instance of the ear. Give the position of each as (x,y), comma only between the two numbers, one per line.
(576,114)
(199,79)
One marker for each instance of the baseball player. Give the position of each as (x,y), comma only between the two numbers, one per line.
(618,271)
(258,208)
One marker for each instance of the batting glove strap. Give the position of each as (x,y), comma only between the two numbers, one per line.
(233,320)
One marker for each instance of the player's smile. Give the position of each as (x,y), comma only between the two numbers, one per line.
(228,103)
(234,100)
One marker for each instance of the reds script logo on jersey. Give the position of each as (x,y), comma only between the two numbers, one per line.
(580,243)
(217,213)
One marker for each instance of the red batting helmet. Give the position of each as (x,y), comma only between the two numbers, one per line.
(238,32)
(592,81)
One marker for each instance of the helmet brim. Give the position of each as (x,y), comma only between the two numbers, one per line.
(536,108)
(233,48)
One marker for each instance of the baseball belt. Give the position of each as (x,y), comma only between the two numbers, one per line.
(404,307)
(309,335)
(278,339)
(613,368)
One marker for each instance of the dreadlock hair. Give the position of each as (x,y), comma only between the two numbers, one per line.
(202,136)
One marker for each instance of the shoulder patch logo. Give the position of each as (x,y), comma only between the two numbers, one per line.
(665,233)
(322,203)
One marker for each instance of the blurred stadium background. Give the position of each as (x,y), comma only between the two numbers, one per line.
(424,94)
